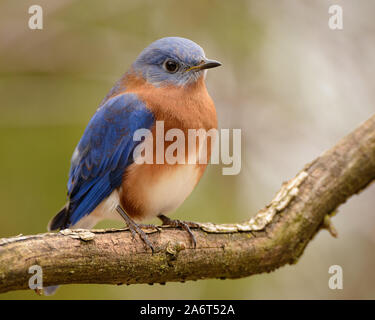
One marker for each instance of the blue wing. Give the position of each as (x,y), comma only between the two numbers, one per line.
(104,152)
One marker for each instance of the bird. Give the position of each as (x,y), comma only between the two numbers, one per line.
(165,83)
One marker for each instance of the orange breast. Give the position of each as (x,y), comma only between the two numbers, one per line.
(151,189)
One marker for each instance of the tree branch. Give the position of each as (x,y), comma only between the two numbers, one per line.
(277,235)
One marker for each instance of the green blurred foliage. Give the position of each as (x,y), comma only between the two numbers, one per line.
(51,82)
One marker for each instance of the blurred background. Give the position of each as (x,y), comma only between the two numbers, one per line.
(293,86)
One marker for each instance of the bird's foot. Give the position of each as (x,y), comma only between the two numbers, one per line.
(185,225)
(152,227)
(135,228)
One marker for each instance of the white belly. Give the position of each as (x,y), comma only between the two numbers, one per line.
(170,189)
(160,194)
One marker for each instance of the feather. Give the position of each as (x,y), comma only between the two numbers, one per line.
(102,156)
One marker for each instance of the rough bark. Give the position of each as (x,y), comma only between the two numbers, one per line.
(276,236)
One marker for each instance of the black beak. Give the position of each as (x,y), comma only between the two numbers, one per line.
(207,64)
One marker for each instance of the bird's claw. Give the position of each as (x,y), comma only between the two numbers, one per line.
(149,226)
(185,225)
(135,228)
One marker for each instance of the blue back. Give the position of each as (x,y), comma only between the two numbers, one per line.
(104,152)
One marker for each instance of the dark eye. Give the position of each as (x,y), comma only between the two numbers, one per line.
(171,65)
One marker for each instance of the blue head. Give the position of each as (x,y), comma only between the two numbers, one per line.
(173,61)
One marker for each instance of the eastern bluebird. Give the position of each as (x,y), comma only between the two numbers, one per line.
(165,83)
